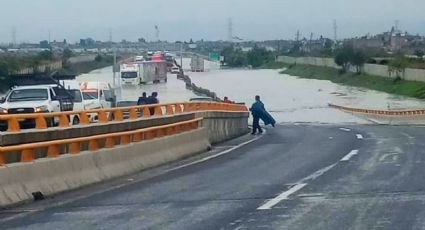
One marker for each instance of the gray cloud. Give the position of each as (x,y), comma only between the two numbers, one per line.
(197,19)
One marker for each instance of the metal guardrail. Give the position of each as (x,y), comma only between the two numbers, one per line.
(74,145)
(117,114)
(380,112)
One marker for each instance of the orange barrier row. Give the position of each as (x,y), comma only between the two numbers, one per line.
(380,112)
(117,114)
(74,145)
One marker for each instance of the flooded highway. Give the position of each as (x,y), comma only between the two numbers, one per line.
(289,98)
(293,99)
(172,91)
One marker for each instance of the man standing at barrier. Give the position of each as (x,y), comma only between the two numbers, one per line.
(259,112)
(153,99)
(143,100)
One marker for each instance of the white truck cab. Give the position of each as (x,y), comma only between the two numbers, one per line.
(97,95)
(130,74)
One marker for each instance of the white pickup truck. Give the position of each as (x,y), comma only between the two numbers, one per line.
(41,99)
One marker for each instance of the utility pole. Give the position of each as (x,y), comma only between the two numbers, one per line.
(115,58)
(181,56)
(311,41)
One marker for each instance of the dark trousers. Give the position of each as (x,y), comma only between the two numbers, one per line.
(256,125)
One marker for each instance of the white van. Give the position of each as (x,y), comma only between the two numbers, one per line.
(97,95)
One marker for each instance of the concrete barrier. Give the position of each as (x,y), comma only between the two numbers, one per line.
(53,175)
(222,126)
(371,69)
(70,171)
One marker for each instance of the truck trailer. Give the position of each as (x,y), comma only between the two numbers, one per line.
(144,72)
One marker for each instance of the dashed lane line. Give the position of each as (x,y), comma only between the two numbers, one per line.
(349,155)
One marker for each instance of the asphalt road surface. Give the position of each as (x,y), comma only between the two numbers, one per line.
(293,177)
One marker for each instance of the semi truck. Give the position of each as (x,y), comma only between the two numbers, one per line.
(144,72)
(197,64)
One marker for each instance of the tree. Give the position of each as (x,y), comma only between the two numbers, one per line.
(419,53)
(344,57)
(67,53)
(46,55)
(258,56)
(398,65)
(98,58)
(358,60)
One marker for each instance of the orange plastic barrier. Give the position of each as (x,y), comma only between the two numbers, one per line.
(74,145)
(117,114)
(380,112)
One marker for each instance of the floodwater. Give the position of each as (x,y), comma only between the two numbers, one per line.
(293,99)
(289,98)
(172,91)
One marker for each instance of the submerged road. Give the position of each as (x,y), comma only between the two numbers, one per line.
(293,177)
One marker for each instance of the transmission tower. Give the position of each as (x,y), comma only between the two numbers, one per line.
(13,36)
(297,36)
(230,30)
(110,35)
(157,33)
(396,25)
(335,30)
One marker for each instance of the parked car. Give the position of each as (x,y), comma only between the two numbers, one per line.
(175,70)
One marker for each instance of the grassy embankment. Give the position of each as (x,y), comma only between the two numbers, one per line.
(72,69)
(85,67)
(398,87)
(273,65)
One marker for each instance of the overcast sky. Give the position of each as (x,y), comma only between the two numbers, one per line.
(203,19)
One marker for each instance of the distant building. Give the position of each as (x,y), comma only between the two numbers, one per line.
(368,43)
(87,42)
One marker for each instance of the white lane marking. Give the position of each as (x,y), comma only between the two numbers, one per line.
(218,154)
(317,173)
(345,129)
(349,155)
(359,136)
(283,196)
(296,187)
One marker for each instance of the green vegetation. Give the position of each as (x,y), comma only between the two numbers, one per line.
(398,65)
(10,63)
(100,61)
(399,87)
(273,65)
(257,57)
(347,57)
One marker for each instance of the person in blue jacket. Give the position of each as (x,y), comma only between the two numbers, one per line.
(259,112)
